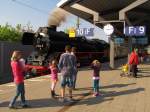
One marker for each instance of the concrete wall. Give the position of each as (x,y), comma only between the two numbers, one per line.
(6,49)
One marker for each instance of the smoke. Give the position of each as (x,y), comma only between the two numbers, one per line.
(57,16)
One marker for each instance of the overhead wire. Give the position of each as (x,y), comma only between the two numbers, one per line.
(34,8)
(31,7)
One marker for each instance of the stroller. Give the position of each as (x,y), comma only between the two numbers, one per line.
(125,70)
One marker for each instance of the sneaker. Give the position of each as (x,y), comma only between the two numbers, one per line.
(62,100)
(55,94)
(52,94)
(25,106)
(11,107)
(94,95)
(71,100)
(98,94)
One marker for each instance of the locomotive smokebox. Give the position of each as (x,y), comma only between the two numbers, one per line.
(28,38)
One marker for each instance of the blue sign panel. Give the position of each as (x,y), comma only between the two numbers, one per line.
(135,31)
(85,32)
(119,40)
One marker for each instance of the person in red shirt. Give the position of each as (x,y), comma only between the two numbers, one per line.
(18,76)
(133,62)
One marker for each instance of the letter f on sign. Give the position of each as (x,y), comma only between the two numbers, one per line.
(131,29)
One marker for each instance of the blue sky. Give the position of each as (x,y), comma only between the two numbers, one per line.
(13,12)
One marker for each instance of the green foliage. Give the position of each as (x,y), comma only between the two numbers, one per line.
(9,33)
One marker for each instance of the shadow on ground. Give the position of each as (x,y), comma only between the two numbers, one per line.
(85,98)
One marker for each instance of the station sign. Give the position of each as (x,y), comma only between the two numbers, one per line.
(119,40)
(85,32)
(135,31)
(80,32)
(72,32)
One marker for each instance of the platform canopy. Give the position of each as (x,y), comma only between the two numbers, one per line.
(134,12)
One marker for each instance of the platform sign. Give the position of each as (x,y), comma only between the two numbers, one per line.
(119,40)
(72,33)
(135,31)
(85,32)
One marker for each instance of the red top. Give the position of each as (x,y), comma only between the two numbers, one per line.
(133,58)
(17,72)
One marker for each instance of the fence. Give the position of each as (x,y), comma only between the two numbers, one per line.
(6,49)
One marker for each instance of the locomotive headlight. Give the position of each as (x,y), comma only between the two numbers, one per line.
(43,34)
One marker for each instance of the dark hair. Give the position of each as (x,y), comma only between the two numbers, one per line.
(73,48)
(67,48)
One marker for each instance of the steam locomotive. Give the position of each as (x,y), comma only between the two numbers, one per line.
(49,44)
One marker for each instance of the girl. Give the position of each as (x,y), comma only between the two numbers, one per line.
(54,77)
(17,70)
(96,69)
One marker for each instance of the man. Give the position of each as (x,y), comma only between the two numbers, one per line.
(66,65)
(133,62)
(73,51)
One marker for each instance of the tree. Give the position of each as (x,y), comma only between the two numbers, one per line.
(9,33)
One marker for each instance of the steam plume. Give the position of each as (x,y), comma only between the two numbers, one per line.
(57,16)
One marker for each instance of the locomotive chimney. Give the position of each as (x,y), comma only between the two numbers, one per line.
(52,27)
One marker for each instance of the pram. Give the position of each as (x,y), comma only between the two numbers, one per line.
(125,70)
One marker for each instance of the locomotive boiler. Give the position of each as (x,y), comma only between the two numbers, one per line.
(49,44)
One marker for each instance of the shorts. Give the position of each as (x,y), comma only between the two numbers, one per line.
(66,80)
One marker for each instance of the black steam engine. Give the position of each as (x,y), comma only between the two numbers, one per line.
(49,44)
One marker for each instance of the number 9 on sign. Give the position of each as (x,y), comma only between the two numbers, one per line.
(141,29)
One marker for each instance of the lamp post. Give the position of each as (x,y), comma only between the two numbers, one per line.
(109,29)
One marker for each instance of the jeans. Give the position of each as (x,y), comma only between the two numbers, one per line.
(74,79)
(66,80)
(19,91)
(134,70)
(96,85)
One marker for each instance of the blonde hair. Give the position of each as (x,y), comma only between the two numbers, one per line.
(15,55)
(54,62)
(95,62)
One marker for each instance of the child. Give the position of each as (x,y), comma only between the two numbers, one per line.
(96,69)
(17,71)
(125,69)
(54,77)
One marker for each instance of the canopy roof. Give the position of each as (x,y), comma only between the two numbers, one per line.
(137,12)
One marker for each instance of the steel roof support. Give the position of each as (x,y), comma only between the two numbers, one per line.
(129,7)
(122,16)
(95,14)
(62,2)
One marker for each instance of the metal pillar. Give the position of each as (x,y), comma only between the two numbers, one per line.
(112,52)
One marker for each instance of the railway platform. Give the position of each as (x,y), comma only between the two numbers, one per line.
(118,94)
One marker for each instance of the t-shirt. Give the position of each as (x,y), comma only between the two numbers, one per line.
(17,72)
(66,64)
(96,70)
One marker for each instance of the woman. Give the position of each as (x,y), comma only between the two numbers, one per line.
(133,62)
